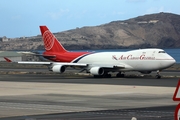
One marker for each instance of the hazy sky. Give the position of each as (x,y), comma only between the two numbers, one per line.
(23,17)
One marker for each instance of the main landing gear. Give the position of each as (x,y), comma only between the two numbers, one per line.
(105,75)
(158,76)
(120,75)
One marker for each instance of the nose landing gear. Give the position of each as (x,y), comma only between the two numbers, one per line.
(158,76)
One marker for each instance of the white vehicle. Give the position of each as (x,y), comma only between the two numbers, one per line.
(101,63)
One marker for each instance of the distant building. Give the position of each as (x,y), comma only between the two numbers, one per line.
(29,56)
(153,21)
(5,39)
(19,56)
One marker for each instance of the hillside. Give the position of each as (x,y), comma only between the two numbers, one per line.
(160,30)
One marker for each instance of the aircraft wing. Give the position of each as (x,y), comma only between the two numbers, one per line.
(47,63)
(72,64)
(54,63)
(120,66)
(34,63)
(110,65)
(68,64)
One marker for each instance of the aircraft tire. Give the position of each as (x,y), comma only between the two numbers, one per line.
(98,76)
(103,76)
(158,77)
(119,75)
(107,76)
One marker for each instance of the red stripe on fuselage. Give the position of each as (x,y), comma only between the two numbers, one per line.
(64,57)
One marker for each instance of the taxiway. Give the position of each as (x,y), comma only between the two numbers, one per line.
(57,96)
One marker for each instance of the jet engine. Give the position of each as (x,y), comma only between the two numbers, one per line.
(58,68)
(97,71)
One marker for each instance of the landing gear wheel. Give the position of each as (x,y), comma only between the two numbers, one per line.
(98,76)
(108,75)
(119,75)
(103,76)
(158,76)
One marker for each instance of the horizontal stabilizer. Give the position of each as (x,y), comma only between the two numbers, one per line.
(7,59)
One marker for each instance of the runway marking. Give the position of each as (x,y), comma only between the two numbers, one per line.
(136,113)
(55,108)
(68,109)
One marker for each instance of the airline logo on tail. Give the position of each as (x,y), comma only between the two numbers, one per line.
(51,44)
(48,40)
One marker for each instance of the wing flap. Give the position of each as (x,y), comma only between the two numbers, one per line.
(7,59)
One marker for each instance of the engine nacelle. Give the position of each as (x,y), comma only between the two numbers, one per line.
(145,72)
(58,68)
(97,71)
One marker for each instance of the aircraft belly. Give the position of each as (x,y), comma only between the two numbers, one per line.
(146,65)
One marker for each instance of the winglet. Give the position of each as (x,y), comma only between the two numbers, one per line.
(7,59)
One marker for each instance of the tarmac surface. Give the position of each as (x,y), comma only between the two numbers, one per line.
(82,97)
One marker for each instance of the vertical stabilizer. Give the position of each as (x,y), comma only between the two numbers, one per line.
(51,43)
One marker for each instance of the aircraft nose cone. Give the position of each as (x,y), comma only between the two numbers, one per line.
(168,63)
(171,62)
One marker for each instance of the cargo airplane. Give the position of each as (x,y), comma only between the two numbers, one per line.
(100,64)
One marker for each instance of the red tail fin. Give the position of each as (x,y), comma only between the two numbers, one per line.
(51,43)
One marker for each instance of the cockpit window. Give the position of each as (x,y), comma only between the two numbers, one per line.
(162,52)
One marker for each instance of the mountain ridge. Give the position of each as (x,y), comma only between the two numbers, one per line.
(159,30)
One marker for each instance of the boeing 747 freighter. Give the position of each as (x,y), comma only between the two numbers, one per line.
(100,64)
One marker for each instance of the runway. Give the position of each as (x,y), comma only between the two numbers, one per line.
(62,97)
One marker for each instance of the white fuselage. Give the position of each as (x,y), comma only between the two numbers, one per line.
(134,60)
